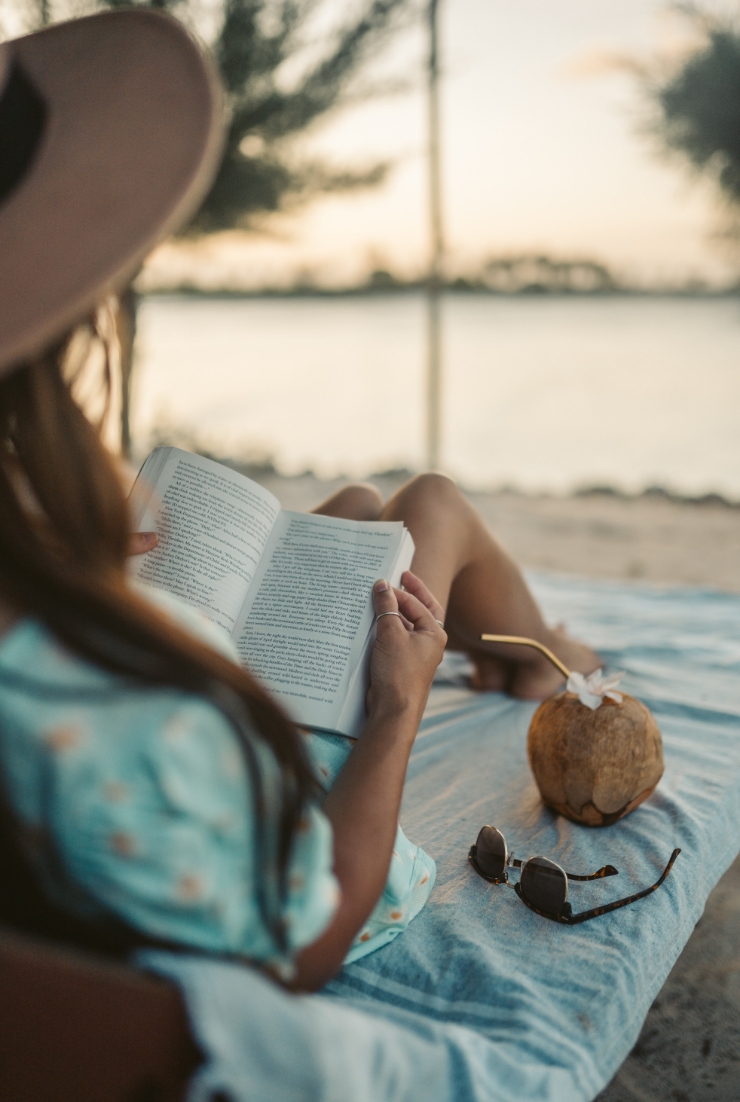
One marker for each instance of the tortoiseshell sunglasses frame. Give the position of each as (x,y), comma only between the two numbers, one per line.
(565,916)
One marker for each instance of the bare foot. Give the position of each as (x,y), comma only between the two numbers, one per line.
(537,679)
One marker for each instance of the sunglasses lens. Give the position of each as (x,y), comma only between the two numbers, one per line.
(491,852)
(544,884)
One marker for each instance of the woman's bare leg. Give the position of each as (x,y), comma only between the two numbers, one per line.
(481,589)
(358,501)
(474,579)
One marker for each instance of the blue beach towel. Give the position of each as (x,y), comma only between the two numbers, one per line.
(481,999)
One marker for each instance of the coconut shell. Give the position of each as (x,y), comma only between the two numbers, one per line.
(594,767)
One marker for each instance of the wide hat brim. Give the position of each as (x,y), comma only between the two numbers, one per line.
(131,140)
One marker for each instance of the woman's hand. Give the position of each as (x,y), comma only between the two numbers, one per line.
(141,542)
(408,647)
(363,803)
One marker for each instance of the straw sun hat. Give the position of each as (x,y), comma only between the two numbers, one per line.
(110,132)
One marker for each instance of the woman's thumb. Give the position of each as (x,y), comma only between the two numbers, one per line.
(384,597)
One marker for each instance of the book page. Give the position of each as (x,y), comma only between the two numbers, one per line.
(307,617)
(213,526)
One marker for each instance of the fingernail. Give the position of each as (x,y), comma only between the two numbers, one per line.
(381,585)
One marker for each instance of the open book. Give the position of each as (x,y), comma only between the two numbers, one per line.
(293,590)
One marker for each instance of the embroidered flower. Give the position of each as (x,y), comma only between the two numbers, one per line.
(123,844)
(591,690)
(64,738)
(189,888)
(115,792)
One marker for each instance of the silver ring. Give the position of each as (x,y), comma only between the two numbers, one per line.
(388,614)
(441,624)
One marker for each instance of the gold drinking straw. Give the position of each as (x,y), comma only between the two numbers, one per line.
(520,641)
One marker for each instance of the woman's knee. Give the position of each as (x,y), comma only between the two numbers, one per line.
(357,501)
(430,491)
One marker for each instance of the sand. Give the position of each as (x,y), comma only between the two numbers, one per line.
(689,1048)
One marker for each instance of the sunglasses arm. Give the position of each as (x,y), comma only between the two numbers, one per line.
(605,870)
(583,916)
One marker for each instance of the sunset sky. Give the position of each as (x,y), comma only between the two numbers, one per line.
(544,149)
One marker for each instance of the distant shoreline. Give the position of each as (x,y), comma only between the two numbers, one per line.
(408,289)
(266,470)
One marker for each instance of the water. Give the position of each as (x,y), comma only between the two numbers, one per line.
(540,392)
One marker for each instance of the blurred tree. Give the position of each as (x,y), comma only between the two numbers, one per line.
(531,273)
(283,67)
(257,43)
(699,105)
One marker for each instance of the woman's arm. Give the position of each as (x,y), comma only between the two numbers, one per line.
(364,801)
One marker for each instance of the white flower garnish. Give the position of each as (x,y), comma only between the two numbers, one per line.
(591,690)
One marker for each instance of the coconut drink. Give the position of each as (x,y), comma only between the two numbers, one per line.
(595,753)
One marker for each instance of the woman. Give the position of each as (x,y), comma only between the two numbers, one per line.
(152,792)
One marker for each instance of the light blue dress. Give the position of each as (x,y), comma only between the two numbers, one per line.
(139,800)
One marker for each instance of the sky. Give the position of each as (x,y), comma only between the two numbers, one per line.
(544,146)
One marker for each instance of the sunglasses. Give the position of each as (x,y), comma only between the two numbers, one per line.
(543,885)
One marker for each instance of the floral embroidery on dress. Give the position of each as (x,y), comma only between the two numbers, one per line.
(115,792)
(123,844)
(189,888)
(67,737)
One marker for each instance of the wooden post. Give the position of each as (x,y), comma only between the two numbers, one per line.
(436,266)
(126,328)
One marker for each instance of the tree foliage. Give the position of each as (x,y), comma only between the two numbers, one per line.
(283,69)
(699,107)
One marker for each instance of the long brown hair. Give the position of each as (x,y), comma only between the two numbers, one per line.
(64,532)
